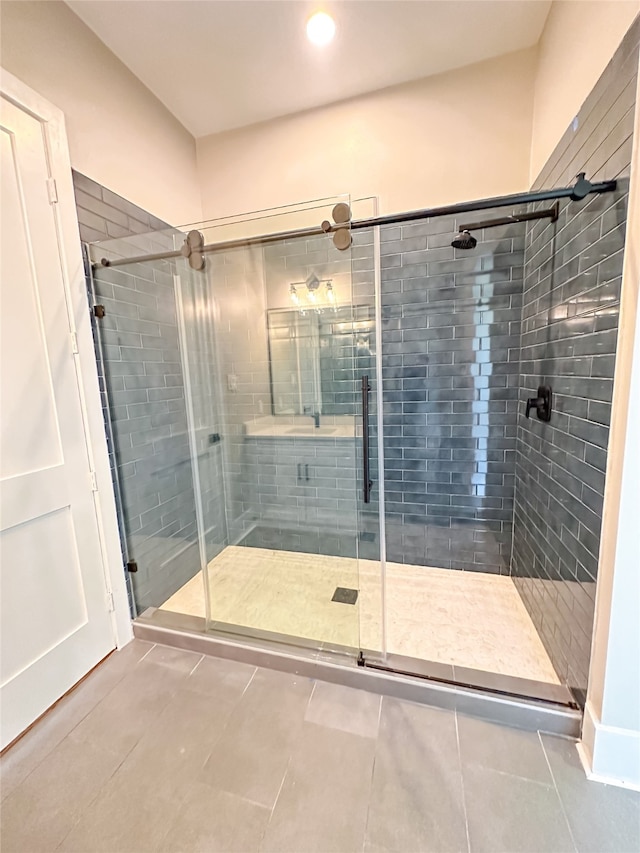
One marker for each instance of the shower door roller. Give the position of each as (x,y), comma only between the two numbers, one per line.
(192,249)
(342,239)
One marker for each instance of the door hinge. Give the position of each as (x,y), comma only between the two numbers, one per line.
(110,602)
(52,190)
(94,481)
(74,343)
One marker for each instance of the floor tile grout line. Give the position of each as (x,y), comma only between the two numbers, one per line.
(233,794)
(196,666)
(304,714)
(275,802)
(78,722)
(247,685)
(134,746)
(145,654)
(100,789)
(557,790)
(464,790)
(224,728)
(479,766)
(373,768)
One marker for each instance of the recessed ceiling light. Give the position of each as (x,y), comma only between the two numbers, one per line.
(321,28)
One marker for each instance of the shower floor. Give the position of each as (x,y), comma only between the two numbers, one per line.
(468,619)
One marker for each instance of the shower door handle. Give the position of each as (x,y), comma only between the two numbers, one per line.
(366,482)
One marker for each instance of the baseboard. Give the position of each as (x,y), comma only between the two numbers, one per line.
(609,754)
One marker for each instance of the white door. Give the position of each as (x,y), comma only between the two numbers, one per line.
(55,619)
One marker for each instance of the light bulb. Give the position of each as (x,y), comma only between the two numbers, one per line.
(294,295)
(321,28)
(330,294)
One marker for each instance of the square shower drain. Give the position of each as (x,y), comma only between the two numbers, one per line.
(344,595)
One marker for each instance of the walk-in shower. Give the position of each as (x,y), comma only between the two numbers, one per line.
(321,426)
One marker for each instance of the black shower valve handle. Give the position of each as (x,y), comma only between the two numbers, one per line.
(533,403)
(541,403)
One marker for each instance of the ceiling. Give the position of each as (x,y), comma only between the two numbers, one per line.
(221,64)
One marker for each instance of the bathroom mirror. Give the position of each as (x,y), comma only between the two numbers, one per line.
(316,358)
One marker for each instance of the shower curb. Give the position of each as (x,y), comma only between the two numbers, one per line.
(522,713)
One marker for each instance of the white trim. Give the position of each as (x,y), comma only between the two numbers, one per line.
(616,760)
(604,746)
(55,136)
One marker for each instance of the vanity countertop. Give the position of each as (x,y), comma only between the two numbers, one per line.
(298,426)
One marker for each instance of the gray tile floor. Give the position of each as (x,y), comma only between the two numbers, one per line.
(164,750)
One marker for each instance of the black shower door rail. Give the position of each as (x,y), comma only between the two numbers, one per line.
(582,188)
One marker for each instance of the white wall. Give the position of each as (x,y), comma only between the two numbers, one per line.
(578,40)
(460,135)
(119,133)
(611,736)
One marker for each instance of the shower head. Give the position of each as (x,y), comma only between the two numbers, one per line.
(464,240)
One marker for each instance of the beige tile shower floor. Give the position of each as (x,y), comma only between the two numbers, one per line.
(469,619)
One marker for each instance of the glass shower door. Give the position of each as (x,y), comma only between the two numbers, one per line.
(451,324)
(366,332)
(287,344)
(137,342)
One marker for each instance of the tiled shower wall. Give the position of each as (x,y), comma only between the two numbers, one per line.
(272,502)
(236,283)
(570,321)
(201,359)
(143,378)
(450,361)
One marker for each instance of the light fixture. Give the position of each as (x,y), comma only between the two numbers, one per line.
(321,28)
(313,283)
(314,295)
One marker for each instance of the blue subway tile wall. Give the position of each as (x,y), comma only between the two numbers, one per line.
(302,488)
(201,360)
(141,375)
(573,272)
(290,494)
(450,366)
(298,494)
(236,283)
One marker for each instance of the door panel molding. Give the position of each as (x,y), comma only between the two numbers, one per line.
(72,267)
(64,602)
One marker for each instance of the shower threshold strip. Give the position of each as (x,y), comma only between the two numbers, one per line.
(582,188)
(505,699)
(472,679)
